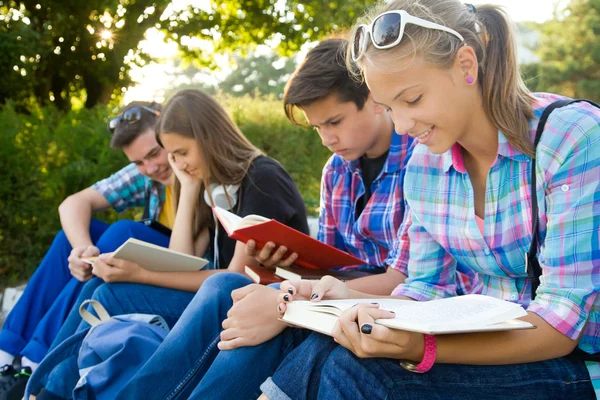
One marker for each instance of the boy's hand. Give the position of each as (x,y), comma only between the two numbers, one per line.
(253,319)
(79,269)
(268,256)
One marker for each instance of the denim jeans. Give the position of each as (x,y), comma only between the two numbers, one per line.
(34,322)
(345,376)
(309,358)
(123,298)
(114,237)
(237,374)
(191,346)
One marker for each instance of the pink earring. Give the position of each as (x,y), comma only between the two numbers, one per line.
(470,80)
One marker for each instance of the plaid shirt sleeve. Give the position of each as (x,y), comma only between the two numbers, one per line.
(328,232)
(124,189)
(568,160)
(430,269)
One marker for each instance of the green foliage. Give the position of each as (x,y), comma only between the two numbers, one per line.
(258,74)
(60,52)
(570,52)
(48,155)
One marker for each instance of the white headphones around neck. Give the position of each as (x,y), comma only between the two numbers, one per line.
(220,193)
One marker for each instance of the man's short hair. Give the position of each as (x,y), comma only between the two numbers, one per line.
(322,73)
(125,133)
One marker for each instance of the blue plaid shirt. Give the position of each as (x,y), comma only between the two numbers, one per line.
(129,188)
(369,236)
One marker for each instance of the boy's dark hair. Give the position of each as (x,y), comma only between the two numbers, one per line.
(322,73)
(125,132)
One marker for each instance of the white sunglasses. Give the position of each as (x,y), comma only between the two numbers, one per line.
(387,30)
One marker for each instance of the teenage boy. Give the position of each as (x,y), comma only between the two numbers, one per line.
(49,295)
(361,210)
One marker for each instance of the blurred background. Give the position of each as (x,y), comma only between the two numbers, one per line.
(66,65)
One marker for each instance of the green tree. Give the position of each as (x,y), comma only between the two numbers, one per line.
(570,52)
(59,48)
(258,74)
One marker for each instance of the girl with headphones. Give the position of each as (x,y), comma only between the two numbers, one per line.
(214,164)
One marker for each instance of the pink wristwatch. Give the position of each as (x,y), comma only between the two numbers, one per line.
(428,357)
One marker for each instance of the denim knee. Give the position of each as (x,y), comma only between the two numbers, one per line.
(117,234)
(223,283)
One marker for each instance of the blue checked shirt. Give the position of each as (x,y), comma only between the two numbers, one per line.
(440,232)
(129,188)
(369,236)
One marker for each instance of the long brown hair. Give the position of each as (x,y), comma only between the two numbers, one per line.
(489,31)
(227,152)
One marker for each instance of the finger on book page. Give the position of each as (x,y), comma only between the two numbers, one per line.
(324,287)
(300,288)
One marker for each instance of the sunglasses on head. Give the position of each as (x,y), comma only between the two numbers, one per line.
(131,116)
(387,29)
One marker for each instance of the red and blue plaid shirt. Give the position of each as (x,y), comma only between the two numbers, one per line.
(370,235)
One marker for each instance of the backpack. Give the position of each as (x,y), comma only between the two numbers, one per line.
(534,271)
(95,363)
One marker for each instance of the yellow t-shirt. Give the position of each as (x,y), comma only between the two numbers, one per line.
(167,214)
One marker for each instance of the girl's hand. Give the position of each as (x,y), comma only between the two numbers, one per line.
(357,331)
(327,287)
(186,180)
(111,269)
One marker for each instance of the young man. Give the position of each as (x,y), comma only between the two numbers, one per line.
(361,210)
(49,295)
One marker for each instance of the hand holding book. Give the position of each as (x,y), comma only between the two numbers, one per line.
(326,287)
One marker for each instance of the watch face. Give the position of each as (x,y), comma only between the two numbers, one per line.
(408,366)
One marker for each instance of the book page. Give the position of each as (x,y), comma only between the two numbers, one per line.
(460,311)
(229,220)
(251,220)
(156,258)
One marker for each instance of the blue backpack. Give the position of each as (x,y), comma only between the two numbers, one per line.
(97,362)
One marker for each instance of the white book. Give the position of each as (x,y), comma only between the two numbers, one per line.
(155,258)
(460,314)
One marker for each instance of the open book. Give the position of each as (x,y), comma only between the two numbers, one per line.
(155,258)
(311,252)
(460,314)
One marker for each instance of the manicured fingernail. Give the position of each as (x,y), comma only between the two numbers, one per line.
(314,296)
(294,256)
(291,290)
(366,329)
(286,297)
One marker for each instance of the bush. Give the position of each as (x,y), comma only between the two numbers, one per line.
(48,155)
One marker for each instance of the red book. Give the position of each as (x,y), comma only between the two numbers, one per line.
(262,275)
(311,252)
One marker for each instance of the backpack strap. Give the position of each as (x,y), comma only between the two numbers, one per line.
(93,320)
(534,271)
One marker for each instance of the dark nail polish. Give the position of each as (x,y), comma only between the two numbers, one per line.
(314,296)
(286,297)
(291,290)
(366,329)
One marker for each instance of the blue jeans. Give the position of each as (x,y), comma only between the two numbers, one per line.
(345,376)
(189,349)
(237,374)
(34,322)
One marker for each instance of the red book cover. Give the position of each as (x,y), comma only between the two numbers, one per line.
(262,275)
(311,252)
